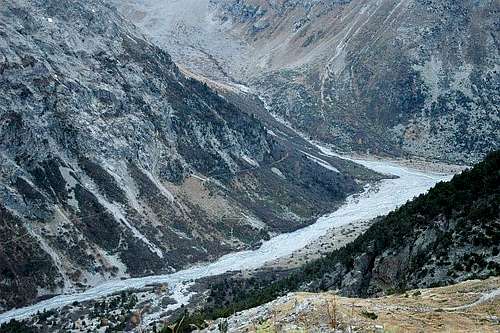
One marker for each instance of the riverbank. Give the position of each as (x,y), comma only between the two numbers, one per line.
(337,237)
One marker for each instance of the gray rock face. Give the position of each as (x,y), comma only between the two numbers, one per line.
(354,280)
(113,163)
(392,76)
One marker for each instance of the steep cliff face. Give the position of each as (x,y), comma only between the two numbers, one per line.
(113,163)
(392,76)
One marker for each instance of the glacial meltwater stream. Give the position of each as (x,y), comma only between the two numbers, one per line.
(373,202)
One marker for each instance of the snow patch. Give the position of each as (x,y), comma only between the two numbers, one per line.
(278,172)
(70,185)
(250,161)
(271,133)
(254,222)
(120,217)
(199,177)
(56,259)
(321,162)
(242,88)
(120,173)
(180,233)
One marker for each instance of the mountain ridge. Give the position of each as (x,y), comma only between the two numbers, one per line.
(389,77)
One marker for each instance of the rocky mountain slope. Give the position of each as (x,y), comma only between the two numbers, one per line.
(390,76)
(113,163)
(471,306)
(448,235)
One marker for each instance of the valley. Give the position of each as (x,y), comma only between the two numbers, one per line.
(126,167)
(374,201)
(249,166)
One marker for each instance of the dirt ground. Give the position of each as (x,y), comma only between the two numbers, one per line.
(471,306)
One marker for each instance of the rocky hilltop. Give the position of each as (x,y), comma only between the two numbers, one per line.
(397,77)
(113,163)
(466,307)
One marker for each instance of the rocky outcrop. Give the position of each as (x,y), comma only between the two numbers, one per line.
(113,163)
